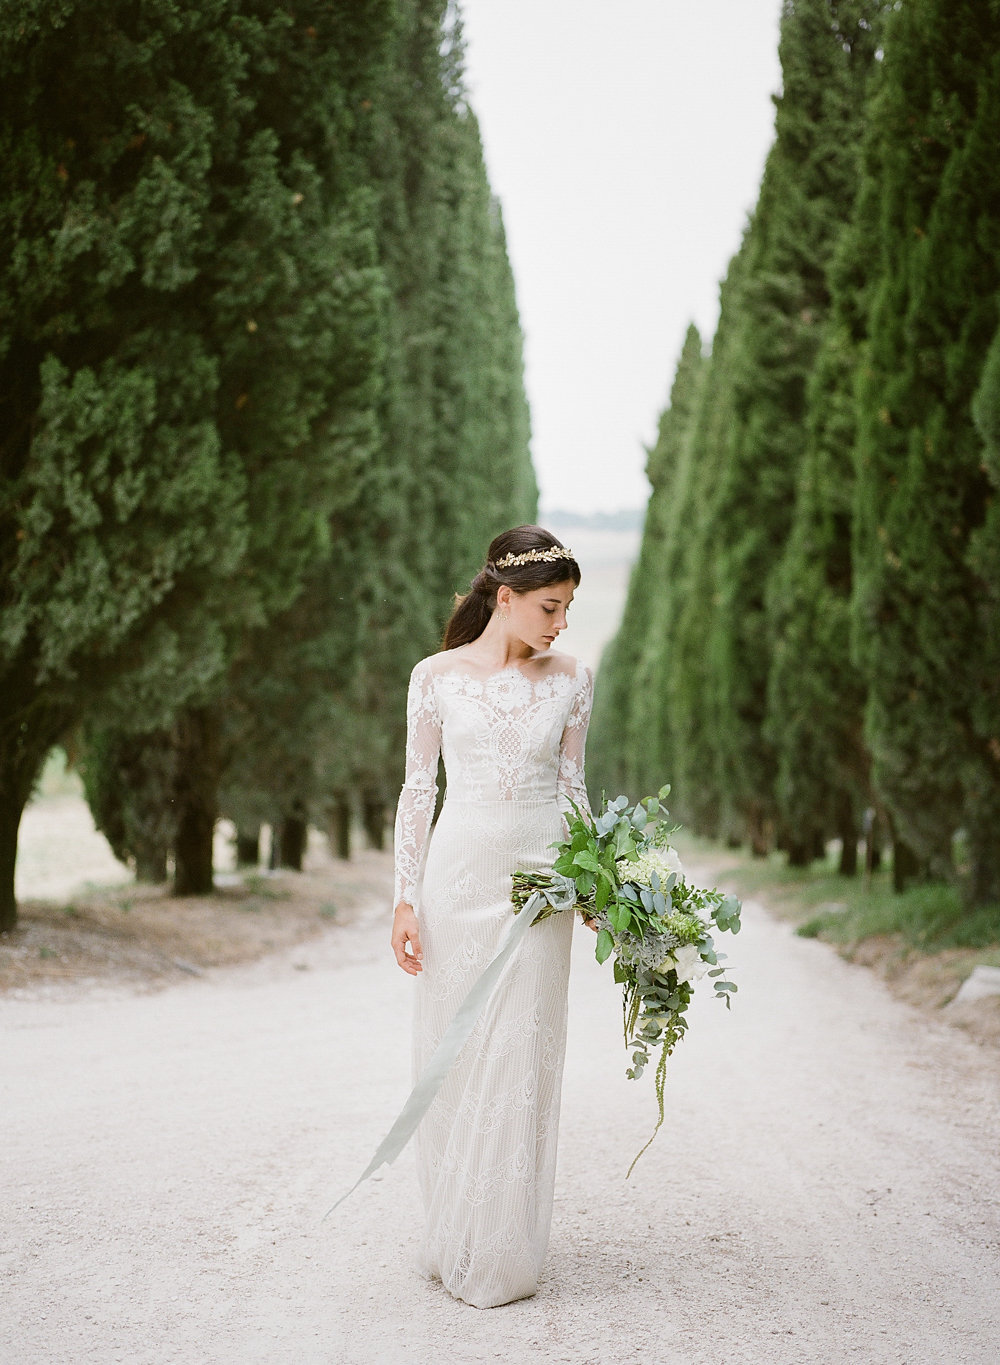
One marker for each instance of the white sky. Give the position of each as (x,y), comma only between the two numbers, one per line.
(626,142)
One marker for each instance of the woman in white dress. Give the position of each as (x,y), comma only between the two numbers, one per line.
(509,715)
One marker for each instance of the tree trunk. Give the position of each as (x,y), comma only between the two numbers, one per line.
(292,839)
(759,833)
(373,819)
(28,732)
(983,827)
(847,865)
(847,831)
(196,794)
(799,853)
(905,864)
(340,827)
(151,865)
(248,847)
(871,826)
(11,808)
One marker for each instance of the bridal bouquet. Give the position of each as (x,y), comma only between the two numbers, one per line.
(650,917)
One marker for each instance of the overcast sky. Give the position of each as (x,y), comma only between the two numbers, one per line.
(626,143)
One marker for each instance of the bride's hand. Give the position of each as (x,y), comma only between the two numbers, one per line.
(591,923)
(405,931)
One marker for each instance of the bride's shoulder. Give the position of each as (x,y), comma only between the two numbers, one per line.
(434,664)
(566,663)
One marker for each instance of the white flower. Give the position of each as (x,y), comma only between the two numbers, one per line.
(639,872)
(686,961)
(672,859)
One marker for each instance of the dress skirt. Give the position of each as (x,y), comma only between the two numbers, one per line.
(486,1149)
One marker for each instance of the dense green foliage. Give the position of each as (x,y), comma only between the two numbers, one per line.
(923,489)
(818,623)
(258,339)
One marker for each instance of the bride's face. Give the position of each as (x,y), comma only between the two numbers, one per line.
(538,616)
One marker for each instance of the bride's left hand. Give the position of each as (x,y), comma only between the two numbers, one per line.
(590,923)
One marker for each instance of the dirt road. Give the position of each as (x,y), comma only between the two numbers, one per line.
(827,1190)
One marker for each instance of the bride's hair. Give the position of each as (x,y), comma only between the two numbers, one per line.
(473,610)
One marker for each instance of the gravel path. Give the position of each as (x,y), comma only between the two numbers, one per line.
(827,1191)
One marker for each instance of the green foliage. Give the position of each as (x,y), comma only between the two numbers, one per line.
(628,746)
(627,881)
(827,53)
(930,917)
(128,781)
(924,633)
(451,467)
(327,308)
(824,635)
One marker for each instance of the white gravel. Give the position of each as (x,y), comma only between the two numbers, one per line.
(827,1190)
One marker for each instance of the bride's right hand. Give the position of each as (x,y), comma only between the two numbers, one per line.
(405,931)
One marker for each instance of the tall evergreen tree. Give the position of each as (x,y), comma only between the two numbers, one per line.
(923,492)
(187,308)
(689,702)
(827,49)
(815,695)
(318,712)
(627,750)
(453,466)
(650,738)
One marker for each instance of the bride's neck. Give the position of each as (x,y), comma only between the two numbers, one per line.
(497,647)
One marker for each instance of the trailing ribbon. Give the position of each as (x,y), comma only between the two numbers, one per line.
(561,895)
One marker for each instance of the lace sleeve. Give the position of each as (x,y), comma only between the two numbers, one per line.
(571,784)
(419,792)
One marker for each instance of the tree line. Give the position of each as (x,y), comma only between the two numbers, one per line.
(261,405)
(812,634)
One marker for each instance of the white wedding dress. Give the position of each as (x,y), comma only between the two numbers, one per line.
(513,747)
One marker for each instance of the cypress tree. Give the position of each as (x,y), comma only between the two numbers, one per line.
(319,707)
(187,310)
(984,560)
(826,50)
(649,736)
(689,703)
(627,748)
(924,506)
(815,695)
(453,466)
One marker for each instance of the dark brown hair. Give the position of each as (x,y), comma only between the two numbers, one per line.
(473,610)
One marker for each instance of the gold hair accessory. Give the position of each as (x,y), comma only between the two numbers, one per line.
(534,557)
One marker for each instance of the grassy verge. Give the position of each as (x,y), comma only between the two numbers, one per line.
(924,943)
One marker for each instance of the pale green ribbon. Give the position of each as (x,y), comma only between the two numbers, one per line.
(561,895)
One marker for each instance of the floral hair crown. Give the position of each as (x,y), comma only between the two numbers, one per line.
(553,553)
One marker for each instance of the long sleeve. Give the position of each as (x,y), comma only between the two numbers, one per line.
(571,783)
(419,792)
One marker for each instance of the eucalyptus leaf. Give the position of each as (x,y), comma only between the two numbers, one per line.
(602,893)
(604,946)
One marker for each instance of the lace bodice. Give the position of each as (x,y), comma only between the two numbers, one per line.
(504,737)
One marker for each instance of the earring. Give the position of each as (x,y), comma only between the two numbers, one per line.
(503,613)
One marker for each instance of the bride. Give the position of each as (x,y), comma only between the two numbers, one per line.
(509,716)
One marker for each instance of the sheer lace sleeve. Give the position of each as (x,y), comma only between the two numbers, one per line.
(419,792)
(571,783)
